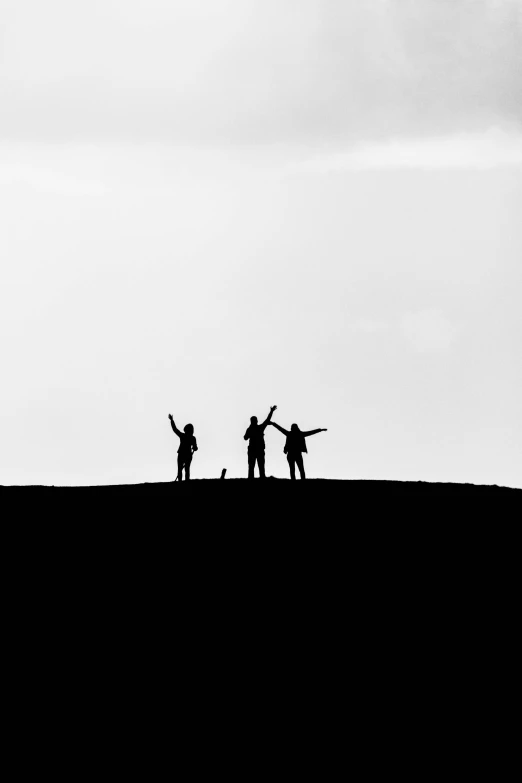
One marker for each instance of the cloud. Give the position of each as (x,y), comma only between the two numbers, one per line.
(428,331)
(369,326)
(482,151)
(285,71)
(48,180)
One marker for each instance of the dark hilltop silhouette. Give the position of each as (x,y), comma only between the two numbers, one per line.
(317,504)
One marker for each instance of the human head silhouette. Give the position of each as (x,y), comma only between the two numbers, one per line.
(294,428)
(253,420)
(188,429)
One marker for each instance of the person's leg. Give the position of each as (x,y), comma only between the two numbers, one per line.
(180,467)
(261,464)
(300,465)
(251,464)
(291,463)
(187,468)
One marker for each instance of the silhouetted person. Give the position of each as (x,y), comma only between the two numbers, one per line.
(187,447)
(295,446)
(255,435)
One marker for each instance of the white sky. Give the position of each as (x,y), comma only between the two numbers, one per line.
(211,207)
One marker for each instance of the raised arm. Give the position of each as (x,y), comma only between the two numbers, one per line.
(267,420)
(312,432)
(172,424)
(281,429)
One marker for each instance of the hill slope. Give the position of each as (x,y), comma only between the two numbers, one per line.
(314,500)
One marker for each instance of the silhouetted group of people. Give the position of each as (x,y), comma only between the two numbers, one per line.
(295,446)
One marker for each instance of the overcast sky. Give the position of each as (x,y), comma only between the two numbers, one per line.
(212,206)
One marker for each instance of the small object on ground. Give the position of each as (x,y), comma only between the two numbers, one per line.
(223,473)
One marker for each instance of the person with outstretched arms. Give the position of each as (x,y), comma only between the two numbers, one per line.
(295,446)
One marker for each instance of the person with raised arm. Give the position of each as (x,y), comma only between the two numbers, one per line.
(295,446)
(255,435)
(187,446)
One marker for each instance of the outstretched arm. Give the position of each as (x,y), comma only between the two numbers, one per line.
(172,424)
(312,432)
(267,420)
(281,429)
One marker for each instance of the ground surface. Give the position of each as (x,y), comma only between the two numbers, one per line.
(379,562)
(318,501)
(342,604)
